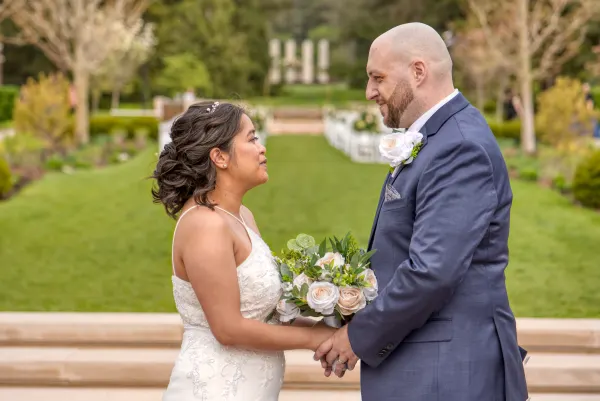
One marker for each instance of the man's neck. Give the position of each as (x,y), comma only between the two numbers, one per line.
(427,103)
(433,99)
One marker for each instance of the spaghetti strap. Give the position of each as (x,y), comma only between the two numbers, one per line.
(232,215)
(181,217)
(173,242)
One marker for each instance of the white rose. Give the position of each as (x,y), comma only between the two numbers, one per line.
(397,147)
(337,258)
(369,276)
(287,310)
(302,279)
(322,297)
(351,300)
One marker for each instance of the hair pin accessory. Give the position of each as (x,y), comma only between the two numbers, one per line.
(214,106)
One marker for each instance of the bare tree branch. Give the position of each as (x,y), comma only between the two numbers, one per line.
(549,24)
(8,7)
(537,37)
(77,36)
(499,35)
(555,29)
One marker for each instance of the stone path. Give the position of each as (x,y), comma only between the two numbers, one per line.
(295,127)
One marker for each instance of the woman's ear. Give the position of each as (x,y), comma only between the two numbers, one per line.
(219,158)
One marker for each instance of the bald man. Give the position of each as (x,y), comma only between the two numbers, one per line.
(441,328)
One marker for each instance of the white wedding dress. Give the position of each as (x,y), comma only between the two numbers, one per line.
(205,370)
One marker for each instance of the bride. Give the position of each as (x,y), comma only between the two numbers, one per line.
(225,282)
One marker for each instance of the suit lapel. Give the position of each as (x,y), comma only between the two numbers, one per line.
(381,197)
(430,128)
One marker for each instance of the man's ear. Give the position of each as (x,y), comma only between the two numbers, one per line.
(419,71)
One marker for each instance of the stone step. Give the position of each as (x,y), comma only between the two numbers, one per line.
(152,394)
(559,335)
(138,367)
(165,330)
(91,329)
(114,367)
(129,394)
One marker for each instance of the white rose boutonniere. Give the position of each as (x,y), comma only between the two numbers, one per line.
(400,148)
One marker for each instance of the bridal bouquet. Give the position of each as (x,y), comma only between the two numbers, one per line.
(322,282)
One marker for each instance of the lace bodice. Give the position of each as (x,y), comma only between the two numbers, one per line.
(206,370)
(258,279)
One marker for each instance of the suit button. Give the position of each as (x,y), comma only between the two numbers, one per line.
(389,347)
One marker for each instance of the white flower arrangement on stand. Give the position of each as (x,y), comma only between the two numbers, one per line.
(361,135)
(261,117)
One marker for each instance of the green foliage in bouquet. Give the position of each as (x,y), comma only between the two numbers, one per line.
(340,262)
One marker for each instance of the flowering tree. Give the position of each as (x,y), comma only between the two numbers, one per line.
(77,36)
(118,69)
(535,37)
(482,63)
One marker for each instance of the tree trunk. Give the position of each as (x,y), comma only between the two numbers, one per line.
(480,94)
(82,133)
(116,97)
(96,94)
(526,82)
(500,98)
(2,60)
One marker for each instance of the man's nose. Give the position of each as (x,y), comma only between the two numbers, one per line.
(370,93)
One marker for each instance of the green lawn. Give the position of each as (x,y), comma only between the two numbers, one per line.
(93,241)
(313,95)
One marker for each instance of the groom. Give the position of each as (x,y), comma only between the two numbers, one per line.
(442,327)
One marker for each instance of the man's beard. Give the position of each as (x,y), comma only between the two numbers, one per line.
(397,103)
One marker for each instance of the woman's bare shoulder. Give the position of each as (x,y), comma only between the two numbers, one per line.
(202,222)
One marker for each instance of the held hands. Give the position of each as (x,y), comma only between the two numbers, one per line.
(336,353)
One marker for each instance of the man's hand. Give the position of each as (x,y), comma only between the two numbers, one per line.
(337,348)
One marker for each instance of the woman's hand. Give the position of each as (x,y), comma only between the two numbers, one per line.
(320,333)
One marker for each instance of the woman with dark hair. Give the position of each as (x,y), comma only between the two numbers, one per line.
(225,282)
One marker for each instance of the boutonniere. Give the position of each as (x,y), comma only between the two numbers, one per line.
(400,147)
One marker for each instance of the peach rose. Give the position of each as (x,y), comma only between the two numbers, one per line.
(351,300)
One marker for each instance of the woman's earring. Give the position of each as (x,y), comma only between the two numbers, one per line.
(224,165)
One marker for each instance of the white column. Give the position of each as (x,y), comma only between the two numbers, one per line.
(308,60)
(290,61)
(275,54)
(159,106)
(323,61)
